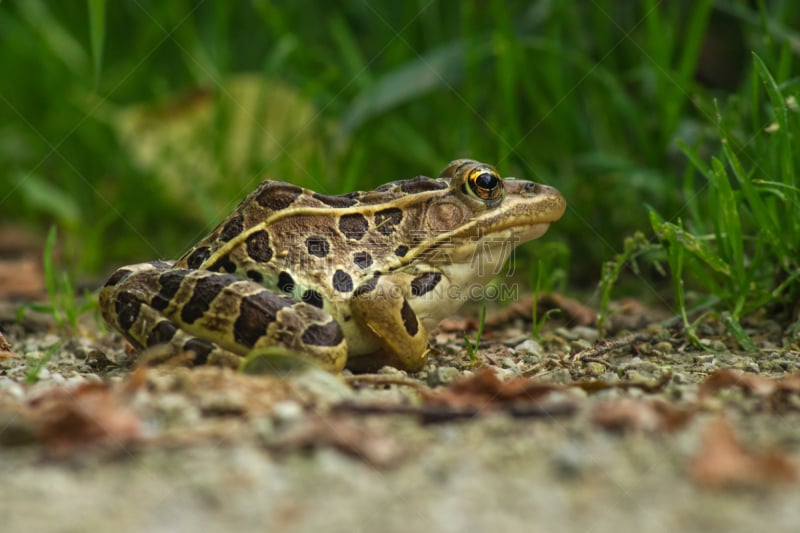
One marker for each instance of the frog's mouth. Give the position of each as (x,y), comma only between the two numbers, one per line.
(529,233)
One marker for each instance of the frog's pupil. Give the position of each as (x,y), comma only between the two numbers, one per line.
(486,181)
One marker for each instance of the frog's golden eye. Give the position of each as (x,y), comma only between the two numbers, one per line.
(486,184)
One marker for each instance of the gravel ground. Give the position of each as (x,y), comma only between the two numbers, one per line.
(654,435)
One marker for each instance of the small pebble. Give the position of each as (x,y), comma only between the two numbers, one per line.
(510,364)
(663,347)
(609,377)
(529,346)
(570,461)
(586,333)
(578,345)
(391,371)
(557,375)
(442,376)
(594,369)
(287,411)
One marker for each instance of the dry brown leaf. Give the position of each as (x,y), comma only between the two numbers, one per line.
(759,385)
(722,462)
(456,324)
(728,378)
(92,414)
(5,348)
(574,312)
(21,277)
(631,314)
(640,414)
(485,392)
(20,264)
(376,449)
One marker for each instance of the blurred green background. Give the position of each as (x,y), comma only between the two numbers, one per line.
(135,126)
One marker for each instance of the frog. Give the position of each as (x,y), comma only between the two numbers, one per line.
(354,280)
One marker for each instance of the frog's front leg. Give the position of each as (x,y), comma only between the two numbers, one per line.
(218,317)
(380,306)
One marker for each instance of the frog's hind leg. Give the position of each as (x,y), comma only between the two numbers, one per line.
(125,306)
(154,303)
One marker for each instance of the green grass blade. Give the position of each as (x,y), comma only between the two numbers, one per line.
(50,280)
(439,68)
(97,32)
(729,224)
(737,331)
(32,374)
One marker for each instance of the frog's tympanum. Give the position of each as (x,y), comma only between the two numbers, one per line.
(355,279)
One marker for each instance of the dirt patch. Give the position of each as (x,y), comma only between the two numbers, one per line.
(648,433)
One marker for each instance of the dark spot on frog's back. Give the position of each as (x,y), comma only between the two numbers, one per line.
(329,334)
(339,200)
(285,282)
(387,219)
(312,297)
(258,246)
(367,286)
(421,184)
(117,276)
(276,195)
(223,263)
(425,283)
(198,257)
(232,228)
(317,246)
(255,275)
(342,281)
(354,226)
(256,313)
(362,259)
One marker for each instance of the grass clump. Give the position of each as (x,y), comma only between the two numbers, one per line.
(137,129)
(739,245)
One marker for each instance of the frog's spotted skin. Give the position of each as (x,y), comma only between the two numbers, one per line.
(353,279)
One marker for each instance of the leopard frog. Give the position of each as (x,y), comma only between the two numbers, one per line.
(349,280)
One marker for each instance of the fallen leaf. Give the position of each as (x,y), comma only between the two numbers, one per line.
(721,462)
(21,277)
(20,264)
(773,389)
(93,414)
(574,312)
(438,413)
(456,324)
(5,348)
(631,314)
(651,386)
(728,378)
(4,345)
(485,392)
(376,449)
(640,414)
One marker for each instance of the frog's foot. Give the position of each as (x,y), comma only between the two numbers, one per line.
(380,306)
